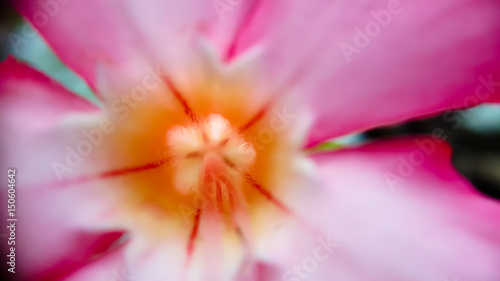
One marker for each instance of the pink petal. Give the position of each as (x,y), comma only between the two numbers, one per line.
(84,33)
(110,267)
(399,211)
(36,115)
(129,34)
(31,100)
(80,36)
(169,26)
(51,244)
(164,254)
(33,107)
(430,56)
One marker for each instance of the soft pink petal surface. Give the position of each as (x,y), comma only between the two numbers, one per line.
(439,52)
(33,108)
(215,255)
(45,123)
(26,94)
(129,34)
(85,33)
(110,267)
(399,211)
(426,56)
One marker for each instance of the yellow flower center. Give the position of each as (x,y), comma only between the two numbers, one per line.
(207,148)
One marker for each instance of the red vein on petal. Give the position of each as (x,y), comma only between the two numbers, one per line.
(108,174)
(258,187)
(177,94)
(263,111)
(245,22)
(192,236)
(267,194)
(256,118)
(220,203)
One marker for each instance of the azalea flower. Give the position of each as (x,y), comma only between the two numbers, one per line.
(200,162)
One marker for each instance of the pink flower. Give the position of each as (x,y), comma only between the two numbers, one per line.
(198,165)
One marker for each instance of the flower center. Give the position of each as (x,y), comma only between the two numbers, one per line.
(211,157)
